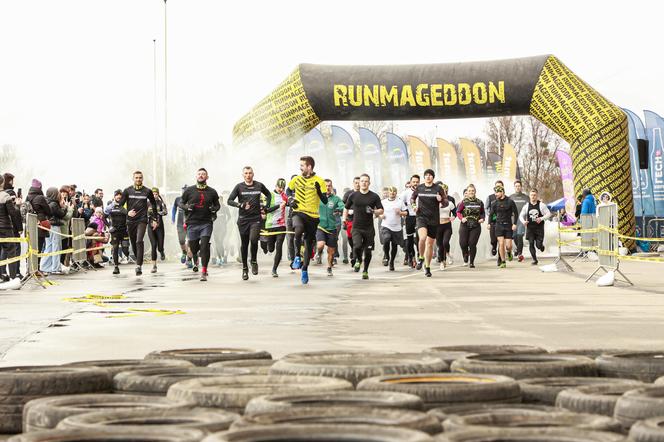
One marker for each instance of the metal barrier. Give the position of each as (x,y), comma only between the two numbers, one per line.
(78,242)
(607,236)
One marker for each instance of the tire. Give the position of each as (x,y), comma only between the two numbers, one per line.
(143,435)
(530,435)
(437,390)
(234,392)
(165,419)
(374,399)
(338,433)
(448,356)
(415,420)
(115,366)
(255,366)
(545,390)
(488,350)
(46,413)
(443,413)
(157,381)
(354,367)
(640,404)
(531,418)
(527,366)
(649,430)
(589,352)
(643,366)
(594,399)
(203,357)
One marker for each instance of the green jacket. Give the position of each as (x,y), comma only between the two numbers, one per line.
(328,220)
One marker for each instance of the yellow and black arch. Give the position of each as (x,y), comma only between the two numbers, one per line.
(540,86)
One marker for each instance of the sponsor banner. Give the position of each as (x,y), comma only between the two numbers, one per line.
(654,129)
(494,168)
(567,176)
(397,158)
(472,161)
(509,167)
(344,148)
(448,163)
(372,156)
(419,155)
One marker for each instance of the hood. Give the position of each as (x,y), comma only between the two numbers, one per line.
(35,191)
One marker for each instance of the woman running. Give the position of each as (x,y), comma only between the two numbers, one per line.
(444,234)
(471,214)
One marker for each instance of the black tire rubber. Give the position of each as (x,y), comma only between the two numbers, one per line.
(115,366)
(489,349)
(643,366)
(437,389)
(253,366)
(49,380)
(530,435)
(157,381)
(589,352)
(203,357)
(374,399)
(640,404)
(415,420)
(649,430)
(594,399)
(46,413)
(103,435)
(234,392)
(354,367)
(443,413)
(527,366)
(319,433)
(531,418)
(165,419)
(545,390)
(448,356)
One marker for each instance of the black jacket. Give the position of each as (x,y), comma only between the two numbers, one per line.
(57,213)
(7,212)
(39,204)
(17,220)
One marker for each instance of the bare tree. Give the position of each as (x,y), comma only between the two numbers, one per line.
(380,128)
(501,130)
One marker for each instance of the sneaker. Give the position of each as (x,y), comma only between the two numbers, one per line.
(334,261)
(385,261)
(493,251)
(204,276)
(352,262)
(305,277)
(427,272)
(503,265)
(534,263)
(154,269)
(297,263)
(521,258)
(442,265)
(254,268)
(318,259)
(183,258)
(190,264)
(116,270)
(195,269)
(450,261)
(345,261)
(541,249)
(163,256)
(420,263)
(245,274)
(356,267)
(329,271)
(509,255)
(405,261)
(471,265)
(391,266)
(365,275)
(139,271)
(274,273)
(499,262)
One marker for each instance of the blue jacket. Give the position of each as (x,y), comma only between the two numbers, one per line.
(588,206)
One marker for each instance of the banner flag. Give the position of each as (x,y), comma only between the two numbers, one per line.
(509,164)
(373,158)
(472,161)
(343,147)
(448,163)
(419,155)
(567,176)
(494,167)
(639,208)
(654,128)
(397,158)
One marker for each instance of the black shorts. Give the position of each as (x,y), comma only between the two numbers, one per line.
(118,236)
(246,227)
(330,238)
(364,238)
(390,236)
(535,233)
(432,227)
(504,230)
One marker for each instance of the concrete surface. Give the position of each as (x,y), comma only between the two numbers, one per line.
(400,311)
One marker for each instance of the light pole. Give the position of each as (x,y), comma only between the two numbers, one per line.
(154,111)
(164,184)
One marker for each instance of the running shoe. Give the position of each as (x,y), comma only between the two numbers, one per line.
(245,274)
(391,266)
(521,258)
(365,275)
(493,251)
(385,261)
(334,261)
(345,261)
(356,267)
(427,272)
(163,256)
(499,262)
(352,262)
(318,260)
(541,249)
(534,263)
(190,264)
(139,272)
(154,269)
(305,277)
(183,258)
(405,261)
(450,261)
(274,273)
(442,265)
(503,265)
(329,271)
(420,263)
(204,276)
(195,269)
(116,270)
(297,263)
(254,268)
(509,255)
(471,265)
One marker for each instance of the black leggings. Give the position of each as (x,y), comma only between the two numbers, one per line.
(390,246)
(136,237)
(202,245)
(305,231)
(411,237)
(156,240)
(117,241)
(443,235)
(249,234)
(274,243)
(468,238)
(535,240)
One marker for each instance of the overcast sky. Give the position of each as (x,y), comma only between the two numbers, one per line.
(77,75)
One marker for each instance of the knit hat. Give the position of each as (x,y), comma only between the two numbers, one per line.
(499,189)
(36,183)
(155,190)
(117,192)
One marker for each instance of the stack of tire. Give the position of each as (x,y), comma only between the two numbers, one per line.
(455,393)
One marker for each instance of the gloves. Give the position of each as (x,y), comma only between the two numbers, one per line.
(189,207)
(293,202)
(369,210)
(317,185)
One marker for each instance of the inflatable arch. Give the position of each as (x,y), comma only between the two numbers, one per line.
(540,86)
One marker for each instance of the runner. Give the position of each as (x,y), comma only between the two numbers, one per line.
(201,204)
(533,216)
(157,235)
(290,238)
(428,198)
(305,195)
(177,218)
(471,214)
(248,194)
(136,198)
(327,235)
(219,232)
(492,233)
(118,230)
(504,221)
(391,231)
(365,204)
(343,236)
(275,225)
(411,223)
(349,220)
(520,199)
(444,234)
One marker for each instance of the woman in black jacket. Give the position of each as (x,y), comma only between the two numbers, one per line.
(51,264)
(40,208)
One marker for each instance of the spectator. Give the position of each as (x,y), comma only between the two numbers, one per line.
(52,264)
(85,209)
(7,217)
(40,207)
(98,198)
(17,222)
(96,238)
(65,191)
(588,205)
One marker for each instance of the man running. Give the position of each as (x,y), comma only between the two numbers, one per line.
(391,231)
(200,204)
(119,235)
(520,199)
(504,224)
(349,221)
(428,198)
(177,217)
(365,204)
(248,195)
(275,224)
(326,234)
(136,198)
(492,233)
(533,216)
(471,214)
(305,195)
(411,222)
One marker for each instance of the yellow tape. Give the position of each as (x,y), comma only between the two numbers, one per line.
(43,255)
(266,233)
(14,240)
(64,235)
(324,230)
(14,259)
(567,230)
